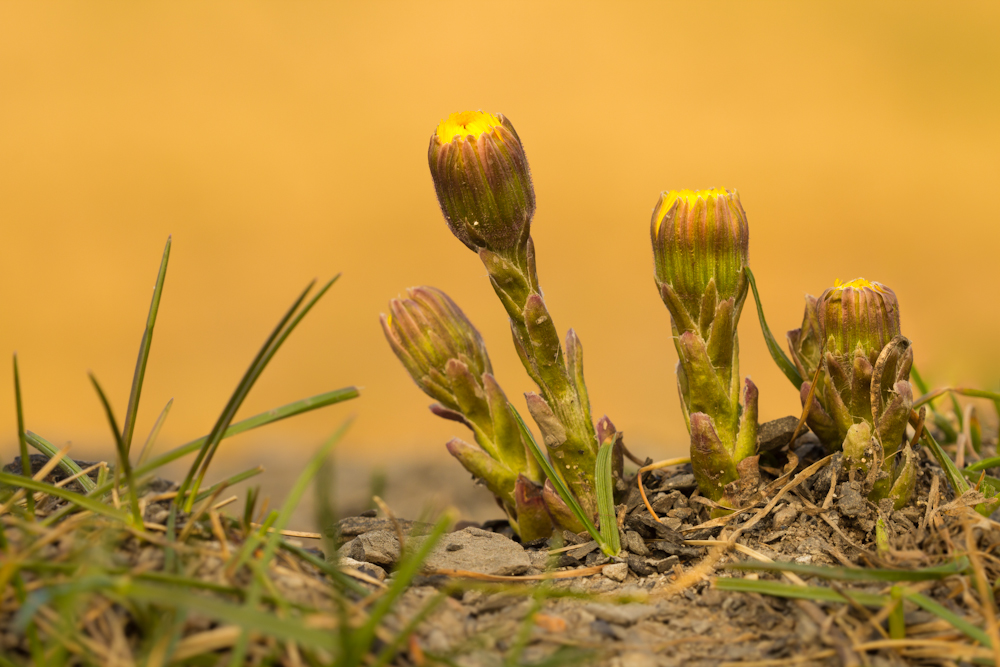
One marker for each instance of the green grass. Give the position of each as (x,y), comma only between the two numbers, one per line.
(82,597)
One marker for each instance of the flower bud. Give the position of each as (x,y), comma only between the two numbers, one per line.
(699,237)
(858,314)
(427,330)
(482,180)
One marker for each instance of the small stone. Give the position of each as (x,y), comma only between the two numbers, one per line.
(596,558)
(672,522)
(371,570)
(620,614)
(635,544)
(454,547)
(777,433)
(638,565)
(683,481)
(380,547)
(851,503)
(615,572)
(581,552)
(481,551)
(784,517)
(666,565)
(680,513)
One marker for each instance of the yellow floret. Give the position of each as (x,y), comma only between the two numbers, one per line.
(466,123)
(688,196)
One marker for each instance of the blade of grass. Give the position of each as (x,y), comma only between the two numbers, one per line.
(323,566)
(955,478)
(927,397)
(235,479)
(21,441)
(961,391)
(814,593)
(606,499)
(858,574)
(818,593)
(128,428)
(252,620)
(274,342)
(897,620)
(84,502)
(123,460)
(985,464)
(284,412)
(777,354)
(66,463)
(147,447)
(558,483)
(970,630)
(235,400)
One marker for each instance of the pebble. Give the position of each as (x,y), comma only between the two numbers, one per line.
(635,544)
(621,614)
(615,572)
(481,551)
(370,569)
(784,517)
(380,547)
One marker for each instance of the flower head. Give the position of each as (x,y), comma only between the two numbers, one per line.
(427,330)
(859,314)
(698,237)
(482,180)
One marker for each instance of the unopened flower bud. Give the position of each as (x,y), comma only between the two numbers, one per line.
(482,180)
(700,236)
(427,330)
(858,314)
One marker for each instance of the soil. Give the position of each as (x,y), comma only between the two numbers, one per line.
(655,604)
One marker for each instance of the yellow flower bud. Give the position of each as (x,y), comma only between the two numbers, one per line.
(482,180)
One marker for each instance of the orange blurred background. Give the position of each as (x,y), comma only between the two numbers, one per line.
(282,142)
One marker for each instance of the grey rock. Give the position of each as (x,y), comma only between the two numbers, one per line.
(676,547)
(621,614)
(482,551)
(570,537)
(615,571)
(682,481)
(777,433)
(380,547)
(648,527)
(850,502)
(639,565)
(582,551)
(784,517)
(370,569)
(596,558)
(635,544)
(358,525)
(666,564)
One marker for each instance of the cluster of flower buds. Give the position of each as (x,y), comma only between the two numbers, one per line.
(700,249)
(445,355)
(850,343)
(483,184)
